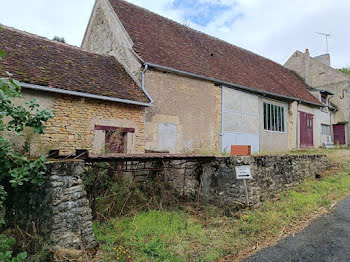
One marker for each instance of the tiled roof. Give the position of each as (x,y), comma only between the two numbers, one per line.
(36,60)
(164,42)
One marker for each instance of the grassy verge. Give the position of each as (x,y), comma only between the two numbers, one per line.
(206,234)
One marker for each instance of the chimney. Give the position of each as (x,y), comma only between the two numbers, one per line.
(307,76)
(326,59)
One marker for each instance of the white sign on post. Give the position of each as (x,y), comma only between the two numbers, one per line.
(243,172)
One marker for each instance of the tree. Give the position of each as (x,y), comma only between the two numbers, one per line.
(59,39)
(345,70)
(15,168)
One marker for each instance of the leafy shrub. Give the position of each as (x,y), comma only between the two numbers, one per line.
(16,169)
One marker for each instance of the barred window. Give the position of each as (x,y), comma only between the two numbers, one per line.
(274,118)
(325,130)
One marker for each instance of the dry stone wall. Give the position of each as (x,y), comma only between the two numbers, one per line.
(271,175)
(59,209)
(214,181)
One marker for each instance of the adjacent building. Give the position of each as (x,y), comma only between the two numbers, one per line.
(97,104)
(332,88)
(208,94)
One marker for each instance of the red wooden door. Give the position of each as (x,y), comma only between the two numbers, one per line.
(306,130)
(339,134)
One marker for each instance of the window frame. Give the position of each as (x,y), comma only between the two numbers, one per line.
(274,118)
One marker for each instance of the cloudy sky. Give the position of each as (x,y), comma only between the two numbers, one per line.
(271,28)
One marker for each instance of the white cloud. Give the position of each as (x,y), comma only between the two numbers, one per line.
(64,18)
(272,28)
(275,28)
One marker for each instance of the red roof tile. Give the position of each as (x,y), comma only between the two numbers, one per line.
(164,42)
(36,60)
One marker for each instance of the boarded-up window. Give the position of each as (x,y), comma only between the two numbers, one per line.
(115,141)
(115,138)
(325,130)
(167,137)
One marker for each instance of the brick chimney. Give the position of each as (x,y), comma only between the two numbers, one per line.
(307,76)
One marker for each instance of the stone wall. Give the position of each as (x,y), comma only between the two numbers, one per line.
(271,175)
(73,126)
(62,214)
(59,209)
(213,181)
(105,34)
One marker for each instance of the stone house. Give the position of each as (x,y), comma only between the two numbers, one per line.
(97,104)
(332,88)
(208,94)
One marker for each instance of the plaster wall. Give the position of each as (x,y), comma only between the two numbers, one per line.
(272,141)
(185,107)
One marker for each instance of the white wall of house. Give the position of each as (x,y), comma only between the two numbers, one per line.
(240,119)
(273,140)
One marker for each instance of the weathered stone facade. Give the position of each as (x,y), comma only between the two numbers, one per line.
(106,35)
(73,126)
(60,208)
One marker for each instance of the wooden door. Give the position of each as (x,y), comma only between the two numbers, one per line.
(339,134)
(306,130)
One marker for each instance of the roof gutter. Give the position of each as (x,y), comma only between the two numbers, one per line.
(82,94)
(254,90)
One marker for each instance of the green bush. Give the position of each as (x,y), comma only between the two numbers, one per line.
(15,168)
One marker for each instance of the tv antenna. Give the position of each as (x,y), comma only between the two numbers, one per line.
(326,36)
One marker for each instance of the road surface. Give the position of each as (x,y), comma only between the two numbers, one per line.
(325,239)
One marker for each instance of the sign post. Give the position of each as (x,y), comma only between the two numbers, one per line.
(243,173)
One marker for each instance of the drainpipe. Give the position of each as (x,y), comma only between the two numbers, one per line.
(299,102)
(222,119)
(330,119)
(144,84)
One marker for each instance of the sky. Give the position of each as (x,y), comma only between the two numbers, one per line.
(271,28)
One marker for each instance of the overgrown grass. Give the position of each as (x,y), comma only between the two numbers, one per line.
(206,234)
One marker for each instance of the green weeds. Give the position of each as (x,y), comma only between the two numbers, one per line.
(206,234)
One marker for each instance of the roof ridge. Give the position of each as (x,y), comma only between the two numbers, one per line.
(196,30)
(51,41)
